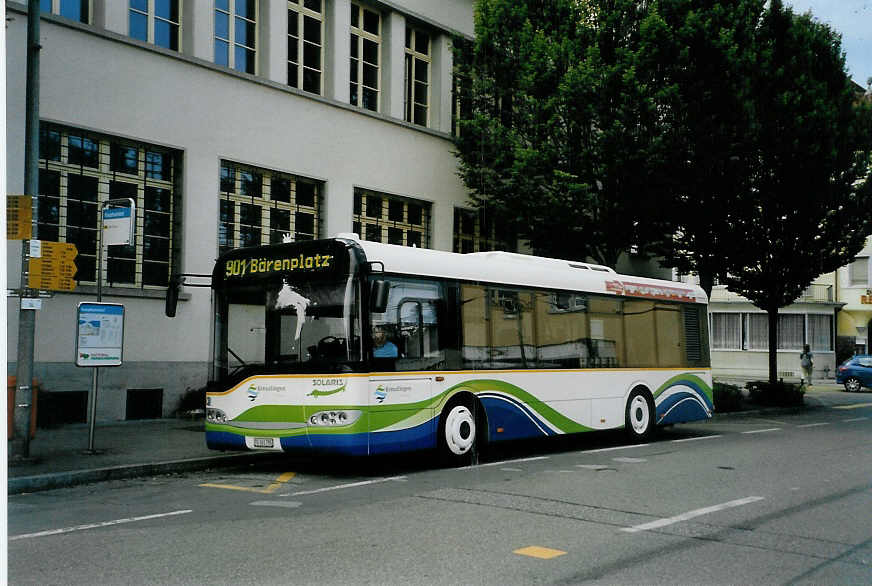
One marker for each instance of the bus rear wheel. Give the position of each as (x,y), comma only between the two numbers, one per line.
(458,432)
(640,416)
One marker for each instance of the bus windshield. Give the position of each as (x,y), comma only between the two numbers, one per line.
(284,325)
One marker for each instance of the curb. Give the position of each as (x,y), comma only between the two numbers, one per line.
(25,484)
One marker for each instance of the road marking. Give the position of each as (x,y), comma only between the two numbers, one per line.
(343,486)
(692,514)
(763,430)
(693,439)
(595,467)
(511,469)
(279,482)
(97,525)
(856,419)
(811,425)
(613,448)
(285,504)
(857,406)
(543,553)
(630,460)
(502,462)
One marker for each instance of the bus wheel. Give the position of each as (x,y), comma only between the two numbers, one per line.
(640,415)
(457,433)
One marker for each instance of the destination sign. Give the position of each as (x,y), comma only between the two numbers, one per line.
(249,266)
(314,258)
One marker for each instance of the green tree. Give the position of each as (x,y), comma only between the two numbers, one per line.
(556,136)
(698,53)
(805,210)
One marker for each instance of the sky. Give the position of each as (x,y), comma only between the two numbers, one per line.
(853,19)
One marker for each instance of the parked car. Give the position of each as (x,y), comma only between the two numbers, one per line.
(856,372)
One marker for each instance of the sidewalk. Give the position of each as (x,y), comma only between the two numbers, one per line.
(128,449)
(134,449)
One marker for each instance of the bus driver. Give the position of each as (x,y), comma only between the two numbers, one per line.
(382,347)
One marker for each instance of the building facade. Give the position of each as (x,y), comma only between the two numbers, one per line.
(854,284)
(740,334)
(230,123)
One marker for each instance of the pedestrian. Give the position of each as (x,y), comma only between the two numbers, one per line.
(806,361)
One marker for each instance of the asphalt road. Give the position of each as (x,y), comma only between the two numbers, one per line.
(786,500)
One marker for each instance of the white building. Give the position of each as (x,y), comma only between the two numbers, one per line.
(230,122)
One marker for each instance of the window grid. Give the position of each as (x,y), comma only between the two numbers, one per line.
(417,77)
(157,22)
(81,170)
(750,331)
(79,10)
(236,34)
(379,217)
(305,42)
(259,206)
(365,57)
(474,231)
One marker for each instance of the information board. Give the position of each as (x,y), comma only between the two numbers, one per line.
(99,334)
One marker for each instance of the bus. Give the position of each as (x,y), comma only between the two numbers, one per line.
(356,348)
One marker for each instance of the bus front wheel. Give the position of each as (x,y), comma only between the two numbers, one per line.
(458,432)
(640,415)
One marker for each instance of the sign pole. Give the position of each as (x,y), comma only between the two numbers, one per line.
(20,445)
(117,226)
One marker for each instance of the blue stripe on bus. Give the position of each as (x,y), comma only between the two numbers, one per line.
(681,407)
(516,420)
(224,440)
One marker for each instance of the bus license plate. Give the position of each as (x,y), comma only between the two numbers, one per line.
(263,442)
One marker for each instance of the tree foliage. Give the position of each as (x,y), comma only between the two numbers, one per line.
(556,135)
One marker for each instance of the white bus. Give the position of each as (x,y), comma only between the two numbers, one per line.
(359,348)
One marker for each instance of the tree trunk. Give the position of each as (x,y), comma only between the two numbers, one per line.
(773,345)
(707,282)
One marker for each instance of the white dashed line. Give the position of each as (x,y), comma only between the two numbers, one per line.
(694,439)
(343,486)
(630,460)
(856,419)
(96,525)
(811,425)
(692,514)
(503,462)
(763,430)
(614,448)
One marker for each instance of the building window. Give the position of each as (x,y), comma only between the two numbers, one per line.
(726,331)
(365,57)
(156,21)
(79,10)
(859,271)
(820,333)
(396,220)
(417,77)
(475,231)
(305,44)
(236,34)
(259,206)
(81,170)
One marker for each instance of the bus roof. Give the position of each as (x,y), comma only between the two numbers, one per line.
(513,269)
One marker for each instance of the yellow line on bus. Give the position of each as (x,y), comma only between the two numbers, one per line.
(402,373)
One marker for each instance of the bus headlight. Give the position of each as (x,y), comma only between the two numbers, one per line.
(215,416)
(334,418)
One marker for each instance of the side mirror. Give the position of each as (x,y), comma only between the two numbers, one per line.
(379,296)
(172,299)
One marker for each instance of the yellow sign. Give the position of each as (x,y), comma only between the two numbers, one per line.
(54,269)
(19,217)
